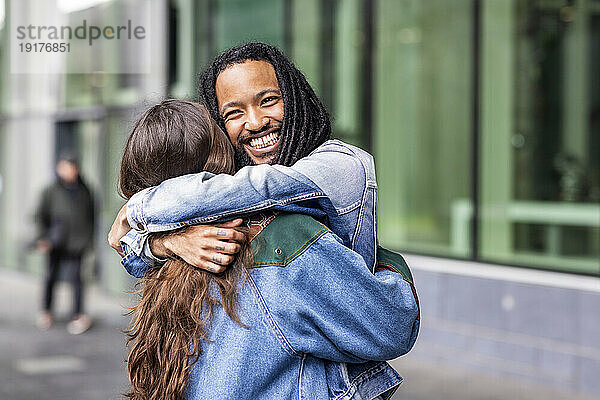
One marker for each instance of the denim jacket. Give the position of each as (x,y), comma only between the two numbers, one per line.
(318,322)
(335,184)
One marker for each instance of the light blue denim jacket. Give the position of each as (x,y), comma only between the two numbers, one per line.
(319,323)
(335,184)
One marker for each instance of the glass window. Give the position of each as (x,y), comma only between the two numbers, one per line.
(328,46)
(350,55)
(540,152)
(306,40)
(422,113)
(2,12)
(239,21)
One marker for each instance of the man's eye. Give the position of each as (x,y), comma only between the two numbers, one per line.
(231,114)
(269,100)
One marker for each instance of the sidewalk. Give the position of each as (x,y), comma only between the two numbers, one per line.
(55,365)
(430,380)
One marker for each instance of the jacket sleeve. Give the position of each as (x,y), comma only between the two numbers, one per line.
(334,308)
(42,215)
(206,198)
(330,179)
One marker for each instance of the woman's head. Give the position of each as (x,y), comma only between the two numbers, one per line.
(173,138)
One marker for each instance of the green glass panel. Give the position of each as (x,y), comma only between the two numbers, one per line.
(423,124)
(540,187)
(305,40)
(239,21)
(348,53)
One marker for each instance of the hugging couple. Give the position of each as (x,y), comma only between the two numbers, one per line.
(255,238)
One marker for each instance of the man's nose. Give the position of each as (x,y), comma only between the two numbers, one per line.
(256,121)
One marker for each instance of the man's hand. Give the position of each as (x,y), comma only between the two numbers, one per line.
(119,229)
(208,247)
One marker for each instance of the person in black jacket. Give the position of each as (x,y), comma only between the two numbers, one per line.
(65,218)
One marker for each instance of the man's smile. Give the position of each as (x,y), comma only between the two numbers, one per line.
(261,144)
(265,141)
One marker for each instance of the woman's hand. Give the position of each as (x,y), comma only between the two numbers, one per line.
(119,228)
(208,247)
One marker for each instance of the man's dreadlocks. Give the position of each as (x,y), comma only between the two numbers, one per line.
(306,123)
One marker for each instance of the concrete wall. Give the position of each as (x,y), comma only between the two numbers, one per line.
(537,326)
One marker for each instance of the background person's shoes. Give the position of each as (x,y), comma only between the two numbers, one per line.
(79,325)
(44,321)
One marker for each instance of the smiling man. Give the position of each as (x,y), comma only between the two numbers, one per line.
(272,116)
(249,75)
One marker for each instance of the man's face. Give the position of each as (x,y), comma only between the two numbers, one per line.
(251,105)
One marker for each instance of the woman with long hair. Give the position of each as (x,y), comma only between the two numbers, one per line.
(283,322)
(172,139)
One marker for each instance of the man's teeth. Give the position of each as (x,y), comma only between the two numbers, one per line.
(265,141)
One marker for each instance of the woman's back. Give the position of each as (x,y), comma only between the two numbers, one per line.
(244,363)
(305,320)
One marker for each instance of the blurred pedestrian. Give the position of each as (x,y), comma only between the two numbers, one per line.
(65,219)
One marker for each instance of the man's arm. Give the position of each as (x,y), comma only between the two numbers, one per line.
(328,183)
(42,215)
(42,219)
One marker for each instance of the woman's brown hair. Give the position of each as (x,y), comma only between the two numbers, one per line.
(171,139)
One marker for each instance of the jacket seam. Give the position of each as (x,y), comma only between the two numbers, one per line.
(359,222)
(153,228)
(349,208)
(369,184)
(285,344)
(300,376)
(375,244)
(393,391)
(362,200)
(374,231)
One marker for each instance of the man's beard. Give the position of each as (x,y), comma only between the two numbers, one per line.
(241,158)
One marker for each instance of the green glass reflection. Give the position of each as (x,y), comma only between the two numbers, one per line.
(423,124)
(540,155)
(239,21)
